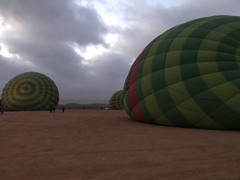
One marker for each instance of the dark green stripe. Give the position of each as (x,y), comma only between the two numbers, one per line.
(203,96)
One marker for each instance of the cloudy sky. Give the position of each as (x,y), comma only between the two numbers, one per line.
(87,46)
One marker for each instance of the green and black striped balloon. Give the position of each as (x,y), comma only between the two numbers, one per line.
(189,76)
(30,91)
(116,100)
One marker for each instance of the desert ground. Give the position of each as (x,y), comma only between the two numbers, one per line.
(95,144)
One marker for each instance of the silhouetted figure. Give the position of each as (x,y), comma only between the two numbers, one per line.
(63,109)
(52,109)
(2,110)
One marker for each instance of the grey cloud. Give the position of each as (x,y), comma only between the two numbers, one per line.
(146,22)
(10,68)
(105,76)
(42,35)
(57,20)
(43,31)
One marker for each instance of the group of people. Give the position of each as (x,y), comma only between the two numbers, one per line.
(52,109)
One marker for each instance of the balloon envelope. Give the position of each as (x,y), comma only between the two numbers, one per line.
(189,76)
(30,91)
(116,100)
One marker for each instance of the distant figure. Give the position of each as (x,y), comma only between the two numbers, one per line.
(2,110)
(63,109)
(52,109)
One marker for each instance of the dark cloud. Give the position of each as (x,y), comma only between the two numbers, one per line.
(44,33)
(10,68)
(57,20)
(145,22)
(102,78)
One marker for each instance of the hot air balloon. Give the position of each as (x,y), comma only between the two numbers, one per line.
(116,100)
(189,76)
(30,91)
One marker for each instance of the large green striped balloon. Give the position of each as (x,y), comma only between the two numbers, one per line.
(189,76)
(116,100)
(30,91)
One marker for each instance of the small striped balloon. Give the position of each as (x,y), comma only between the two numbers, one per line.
(30,91)
(189,76)
(116,100)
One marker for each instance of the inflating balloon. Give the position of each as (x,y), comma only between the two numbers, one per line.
(30,91)
(116,100)
(189,76)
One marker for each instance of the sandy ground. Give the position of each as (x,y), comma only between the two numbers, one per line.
(107,144)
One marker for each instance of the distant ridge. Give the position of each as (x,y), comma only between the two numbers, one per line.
(83,105)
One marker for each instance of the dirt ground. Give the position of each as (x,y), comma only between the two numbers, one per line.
(107,144)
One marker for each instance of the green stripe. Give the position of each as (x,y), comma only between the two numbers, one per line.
(162,94)
(206,99)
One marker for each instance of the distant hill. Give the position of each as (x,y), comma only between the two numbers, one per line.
(76,105)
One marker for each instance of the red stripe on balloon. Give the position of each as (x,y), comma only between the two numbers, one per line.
(132,98)
(113,98)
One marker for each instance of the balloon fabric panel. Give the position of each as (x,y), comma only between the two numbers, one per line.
(189,76)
